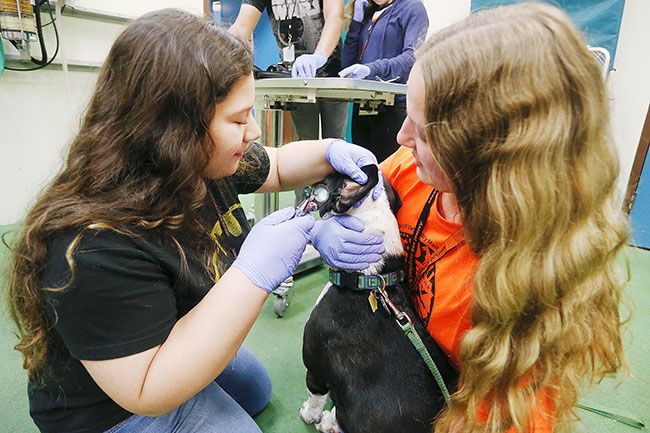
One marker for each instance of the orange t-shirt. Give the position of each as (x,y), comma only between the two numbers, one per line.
(442,290)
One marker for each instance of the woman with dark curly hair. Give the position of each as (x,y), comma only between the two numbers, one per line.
(135,279)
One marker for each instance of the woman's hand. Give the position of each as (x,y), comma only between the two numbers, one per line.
(342,244)
(348,158)
(306,65)
(355,71)
(274,247)
(359,10)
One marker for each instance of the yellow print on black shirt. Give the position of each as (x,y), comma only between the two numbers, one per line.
(222,256)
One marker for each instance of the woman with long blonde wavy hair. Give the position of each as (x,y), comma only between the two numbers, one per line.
(507,142)
(516,116)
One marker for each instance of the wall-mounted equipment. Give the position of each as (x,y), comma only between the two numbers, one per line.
(18,25)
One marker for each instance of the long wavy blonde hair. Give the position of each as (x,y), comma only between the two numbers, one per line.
(518,119)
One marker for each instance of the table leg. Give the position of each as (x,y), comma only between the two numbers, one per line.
(272,125)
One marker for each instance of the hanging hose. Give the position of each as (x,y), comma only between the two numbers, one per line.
(39,32)
(41,39)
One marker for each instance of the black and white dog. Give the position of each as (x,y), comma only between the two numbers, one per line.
(374,375)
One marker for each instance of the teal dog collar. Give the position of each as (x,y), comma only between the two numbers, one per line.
(359,281)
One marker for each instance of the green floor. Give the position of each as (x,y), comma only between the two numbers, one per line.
(277,342)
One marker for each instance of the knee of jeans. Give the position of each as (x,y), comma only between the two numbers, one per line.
(263,396)
(247,381)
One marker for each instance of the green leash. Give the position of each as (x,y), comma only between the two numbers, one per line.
(623,418)
(414,338)
(404,321)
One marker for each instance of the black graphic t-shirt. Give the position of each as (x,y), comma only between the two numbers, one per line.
(299,22)
(126,295)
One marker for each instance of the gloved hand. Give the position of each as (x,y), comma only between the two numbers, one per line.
(342,244)
(359,10)
(348,158)
(274,247)
(306,65)
(355,71)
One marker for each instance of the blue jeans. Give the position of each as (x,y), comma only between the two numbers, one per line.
(227,405)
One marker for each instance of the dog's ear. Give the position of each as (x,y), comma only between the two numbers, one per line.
(351,192)
(393,199)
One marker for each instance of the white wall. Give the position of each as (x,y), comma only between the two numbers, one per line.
(443,13)
(35,124)
(38,116)
(40,111)
(630,87)
(136,8)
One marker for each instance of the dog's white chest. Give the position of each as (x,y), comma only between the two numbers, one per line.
(378,219)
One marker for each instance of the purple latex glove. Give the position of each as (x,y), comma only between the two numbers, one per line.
(355,71)
(306,65)
(274,247)
(342,244)
(348,158)
(359,10)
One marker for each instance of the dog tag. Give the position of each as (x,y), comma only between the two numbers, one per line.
(372,300)
(289,54)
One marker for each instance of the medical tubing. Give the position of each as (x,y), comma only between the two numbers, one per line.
(39,31)
(56,51)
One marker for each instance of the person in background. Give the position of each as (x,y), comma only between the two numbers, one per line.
(308,33)
(380,45)
(512,242)
(136,276)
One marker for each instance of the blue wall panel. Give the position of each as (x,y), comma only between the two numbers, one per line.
(599,20)
(640,215)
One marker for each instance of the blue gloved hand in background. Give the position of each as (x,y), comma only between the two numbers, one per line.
(359,10)
(348,158)
(342,244)
(355,71)
(306,65)
(274,247)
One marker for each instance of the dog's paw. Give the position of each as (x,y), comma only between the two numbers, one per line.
(312,409)
(310,414)
(328,422)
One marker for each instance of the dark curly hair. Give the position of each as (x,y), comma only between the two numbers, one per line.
(138,157)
